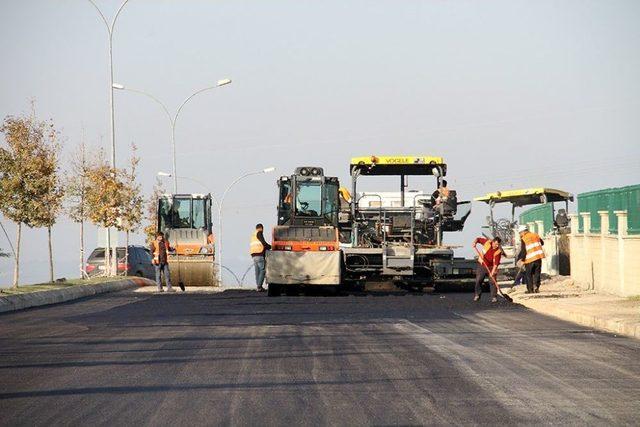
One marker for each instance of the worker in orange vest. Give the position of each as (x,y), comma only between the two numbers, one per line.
(441,194)
(531,255)
(491,255)
(160,249)
(257,249)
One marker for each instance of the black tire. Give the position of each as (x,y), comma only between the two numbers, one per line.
(273,290)
(291,290)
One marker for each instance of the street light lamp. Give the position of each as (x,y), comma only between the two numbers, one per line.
(173,119)
(224,195)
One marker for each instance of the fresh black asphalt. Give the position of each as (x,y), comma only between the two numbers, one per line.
(242,358)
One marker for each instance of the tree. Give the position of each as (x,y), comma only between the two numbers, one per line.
(49,202)
(26,169)
(77,185)
(152,210)
(132,201)
(104,197)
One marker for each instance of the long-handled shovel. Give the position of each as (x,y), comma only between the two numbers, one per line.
(481,261)
(180,282)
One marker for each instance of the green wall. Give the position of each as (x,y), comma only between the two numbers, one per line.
(542,213)
(611,199)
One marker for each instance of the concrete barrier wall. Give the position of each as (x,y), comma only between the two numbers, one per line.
(605,262)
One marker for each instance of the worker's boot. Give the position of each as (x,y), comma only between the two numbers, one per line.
(476,298)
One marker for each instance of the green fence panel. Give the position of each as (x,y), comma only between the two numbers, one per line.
(611,200)
(542,213)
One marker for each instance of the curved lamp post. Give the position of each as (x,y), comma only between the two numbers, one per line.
(173,119)
(220,205)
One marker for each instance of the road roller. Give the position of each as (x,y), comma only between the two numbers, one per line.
(185,220)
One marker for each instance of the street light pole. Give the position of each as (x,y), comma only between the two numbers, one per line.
(173,119)
(110,27)
(224,195)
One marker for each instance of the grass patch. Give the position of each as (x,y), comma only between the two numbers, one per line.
(25,289)
(634,298)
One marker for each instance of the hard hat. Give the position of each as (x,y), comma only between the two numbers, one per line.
(522,228)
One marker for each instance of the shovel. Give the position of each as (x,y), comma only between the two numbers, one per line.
(481,261)
(180,282)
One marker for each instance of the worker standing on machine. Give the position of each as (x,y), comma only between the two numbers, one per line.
(160,248)
(488,265)
(257,249)
(441,194)
(531,254)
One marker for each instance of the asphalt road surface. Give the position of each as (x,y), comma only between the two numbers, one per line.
(241,358)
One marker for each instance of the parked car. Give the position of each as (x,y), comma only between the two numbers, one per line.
(139,262)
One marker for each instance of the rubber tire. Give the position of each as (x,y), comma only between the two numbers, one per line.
(274,290)
(292,291)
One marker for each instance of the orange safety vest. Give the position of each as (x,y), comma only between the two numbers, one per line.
(533,247)
(156,251)
(444,192)
(256,246)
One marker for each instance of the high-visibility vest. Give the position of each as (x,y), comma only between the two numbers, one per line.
(444,193)
(288,199)
(256,246)
(156,251)
(533,246)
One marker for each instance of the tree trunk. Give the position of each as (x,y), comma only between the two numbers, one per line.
(50,255)
(83,274)
(126,254)
(107,259)
(16,269)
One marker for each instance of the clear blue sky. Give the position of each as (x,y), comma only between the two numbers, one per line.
(511,93)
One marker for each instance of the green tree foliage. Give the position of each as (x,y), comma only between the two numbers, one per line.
(104,193)
(30,192)
(77,184)
(131,201)
(52,194)
(152,210)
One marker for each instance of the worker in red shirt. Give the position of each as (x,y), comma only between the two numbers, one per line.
(491,254)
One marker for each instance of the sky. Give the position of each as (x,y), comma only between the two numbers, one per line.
(511,93)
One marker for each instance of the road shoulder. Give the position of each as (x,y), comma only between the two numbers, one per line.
(561,298)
